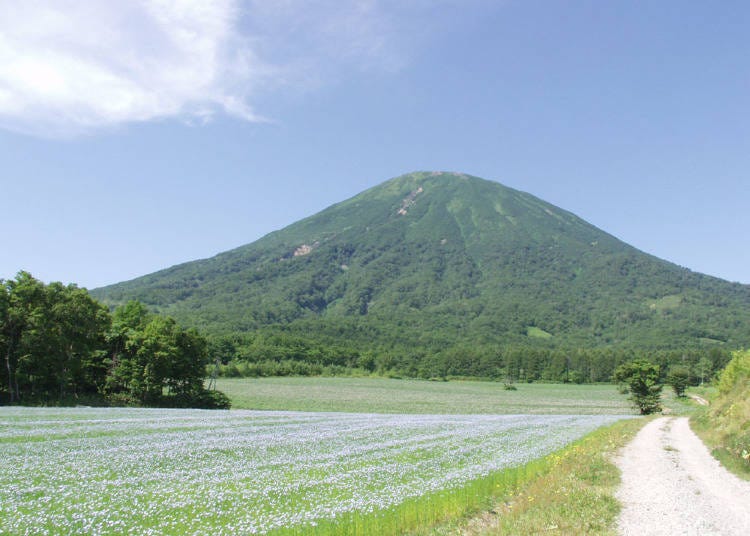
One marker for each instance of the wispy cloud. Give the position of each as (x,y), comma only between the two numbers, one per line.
(73,66)
(302,36)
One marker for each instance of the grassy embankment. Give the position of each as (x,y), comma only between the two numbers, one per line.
(725,425)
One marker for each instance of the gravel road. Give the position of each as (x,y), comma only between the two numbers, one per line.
(672,485)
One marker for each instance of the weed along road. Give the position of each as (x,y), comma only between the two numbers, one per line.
(672,485)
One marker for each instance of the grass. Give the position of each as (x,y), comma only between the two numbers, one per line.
(538,333)
(572,492)
(729,455)
(678,406)
(725,425)
(372,395)
(427,510)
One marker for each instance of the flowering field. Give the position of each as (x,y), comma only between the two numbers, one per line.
(383,395)
(139,471)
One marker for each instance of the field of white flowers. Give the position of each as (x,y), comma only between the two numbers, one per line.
(140,471)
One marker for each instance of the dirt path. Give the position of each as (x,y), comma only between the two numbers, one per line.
(672,485)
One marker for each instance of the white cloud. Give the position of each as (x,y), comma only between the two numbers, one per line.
(72,66)
(68,67)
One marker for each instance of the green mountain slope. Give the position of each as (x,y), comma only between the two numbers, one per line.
(432,261)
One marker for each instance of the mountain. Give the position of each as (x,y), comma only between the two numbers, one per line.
(433,261)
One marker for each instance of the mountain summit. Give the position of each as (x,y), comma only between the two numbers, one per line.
(437,259)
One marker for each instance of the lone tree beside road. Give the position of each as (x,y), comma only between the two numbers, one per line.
(642,379)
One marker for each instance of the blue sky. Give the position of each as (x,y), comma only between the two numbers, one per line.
(139,135)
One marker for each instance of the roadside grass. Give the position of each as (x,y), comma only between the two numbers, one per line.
(722,448)
(380,395)
(724,425)
(572,492)
(706,390)
(674,406)
(427,510)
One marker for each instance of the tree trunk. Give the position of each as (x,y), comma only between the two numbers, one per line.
(10,377)
(10,372)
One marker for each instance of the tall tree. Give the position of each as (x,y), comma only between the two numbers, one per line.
(22,310)
(642,378)
(57,342)
(152,354)
(53,339)
(703,369)
(679,379)
(4,309)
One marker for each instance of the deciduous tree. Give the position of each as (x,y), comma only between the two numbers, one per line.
(642,378)
(679,379)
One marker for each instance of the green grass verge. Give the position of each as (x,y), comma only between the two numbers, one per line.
(568,492)
(380,395)
(727,450)
(427,510)
(572,492)
(724,426)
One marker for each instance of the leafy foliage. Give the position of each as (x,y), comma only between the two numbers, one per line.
(440,274)
(679,379)
(53,340)
(642,378)
(59,344)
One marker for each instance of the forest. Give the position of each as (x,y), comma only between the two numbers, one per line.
(285,352)
(61,346)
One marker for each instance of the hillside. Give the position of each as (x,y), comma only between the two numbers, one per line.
(444,262)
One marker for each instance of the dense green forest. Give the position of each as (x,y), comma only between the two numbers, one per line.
(443,274)
(273,353)
(59,345)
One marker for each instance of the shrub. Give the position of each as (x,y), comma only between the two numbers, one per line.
(203,399)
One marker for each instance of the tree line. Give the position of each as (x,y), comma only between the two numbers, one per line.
(59,345)
(280,351)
